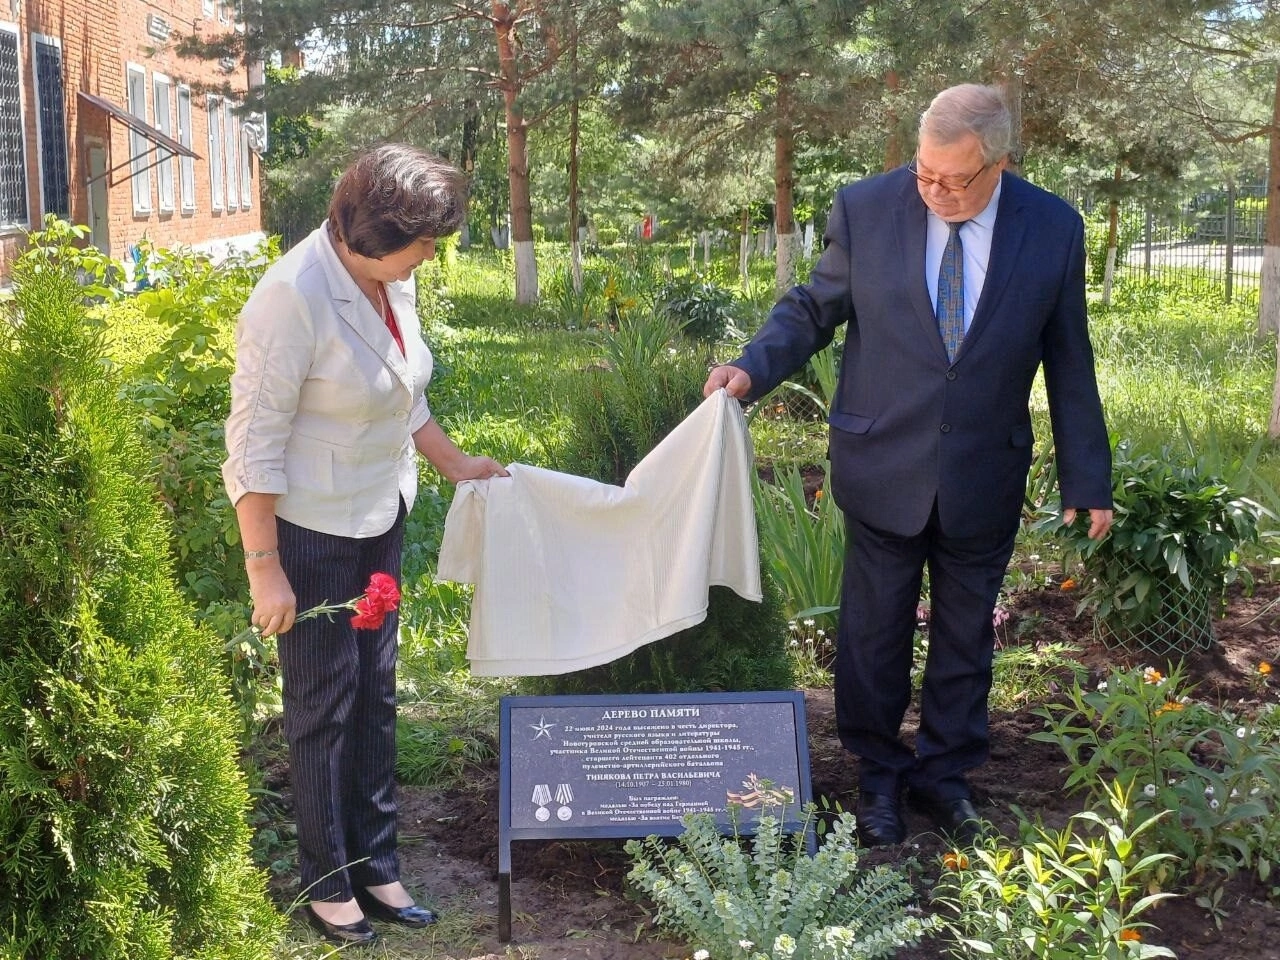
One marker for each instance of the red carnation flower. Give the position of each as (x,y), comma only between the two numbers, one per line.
(380,598)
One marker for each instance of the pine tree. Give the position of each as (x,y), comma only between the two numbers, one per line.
(122,808)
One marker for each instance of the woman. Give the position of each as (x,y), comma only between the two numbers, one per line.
(328,406)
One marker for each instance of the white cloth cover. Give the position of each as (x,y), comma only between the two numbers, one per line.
(570,573)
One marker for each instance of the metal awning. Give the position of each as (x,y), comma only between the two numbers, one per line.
(143,129)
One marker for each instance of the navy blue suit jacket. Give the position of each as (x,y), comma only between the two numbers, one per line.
(907,426)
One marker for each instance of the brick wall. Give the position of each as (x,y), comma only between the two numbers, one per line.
(99,39)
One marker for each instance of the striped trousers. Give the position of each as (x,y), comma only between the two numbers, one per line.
(340,712)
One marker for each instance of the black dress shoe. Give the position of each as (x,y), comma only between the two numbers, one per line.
(956,818)
(410,916)
(878,817)
(346,934)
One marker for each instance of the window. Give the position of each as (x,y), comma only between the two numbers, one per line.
(163,111)
(213,108)
(51,128)
(136,90)
(207,8)
(232,140)
(246,173)
(186,166)
(13,153)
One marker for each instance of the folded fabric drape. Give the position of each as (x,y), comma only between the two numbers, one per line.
(570,573)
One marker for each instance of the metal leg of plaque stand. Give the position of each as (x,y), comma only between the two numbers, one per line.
(504,889)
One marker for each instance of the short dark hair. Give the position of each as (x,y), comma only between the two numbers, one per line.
(394,194)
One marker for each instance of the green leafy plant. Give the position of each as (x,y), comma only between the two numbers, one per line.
(702,308)
(1073,894)
(775,901)
(803,544)
(1217,774)
(1153,582)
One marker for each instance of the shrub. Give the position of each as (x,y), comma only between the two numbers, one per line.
(703,309)
(1154,581)
(776,902)
(122,826)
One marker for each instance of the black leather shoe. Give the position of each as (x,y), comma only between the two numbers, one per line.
(956,819)
(410,916)
(878,817)
(345,934)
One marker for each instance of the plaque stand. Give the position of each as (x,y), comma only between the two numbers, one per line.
(631,765)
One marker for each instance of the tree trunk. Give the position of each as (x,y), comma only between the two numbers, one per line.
(1113,241)
(575,251)
(1269,299)
(517,156)
(893,130)
(784,182)
(744,247)
(470,139)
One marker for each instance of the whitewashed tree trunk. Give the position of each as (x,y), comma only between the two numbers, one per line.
(808,239)
(785,267)
(575,265)
(1269,294)
(706,248)
(1109,275)
(526,272)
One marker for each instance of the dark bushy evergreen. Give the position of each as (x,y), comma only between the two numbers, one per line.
(122,808)
(652,379)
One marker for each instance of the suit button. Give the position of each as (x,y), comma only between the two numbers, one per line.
(945,428)
(402,415)
(951,374)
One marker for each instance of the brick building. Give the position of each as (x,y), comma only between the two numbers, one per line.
(103,123)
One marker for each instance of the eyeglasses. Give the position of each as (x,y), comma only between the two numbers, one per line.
(950,185)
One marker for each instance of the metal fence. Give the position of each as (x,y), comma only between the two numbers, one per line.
(1211,239)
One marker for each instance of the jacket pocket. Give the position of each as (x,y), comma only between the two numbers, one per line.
(850,422)
(1020,436)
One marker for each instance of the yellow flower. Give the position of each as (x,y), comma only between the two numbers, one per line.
(817,495)
(955,860)
(1264,668)
(1152,675)
(1067,584)
(1171,706)
(1129,935)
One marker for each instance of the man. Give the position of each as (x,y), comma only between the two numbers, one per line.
(931,440)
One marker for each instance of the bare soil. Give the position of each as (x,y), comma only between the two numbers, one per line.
(570,900)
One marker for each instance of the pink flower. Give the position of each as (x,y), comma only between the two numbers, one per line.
(381,597)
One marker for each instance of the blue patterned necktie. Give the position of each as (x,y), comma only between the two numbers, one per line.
(950,309)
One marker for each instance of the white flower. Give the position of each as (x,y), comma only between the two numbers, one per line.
(700,955)
(1234,794)
(1241,733)
(745,944)
(795,642)
(1149,789)
(1034,558)
(1213,804)
(1208,791)
(808,623)
(821,632)
(1102,686)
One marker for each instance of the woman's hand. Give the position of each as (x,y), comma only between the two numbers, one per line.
(274,605)
(475,468)
(445,456)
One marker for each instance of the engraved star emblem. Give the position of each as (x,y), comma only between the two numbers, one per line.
(541,728)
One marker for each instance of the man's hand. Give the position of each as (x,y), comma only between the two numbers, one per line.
(735,381)
(1099,521)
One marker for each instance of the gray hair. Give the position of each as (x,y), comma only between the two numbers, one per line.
(970,108)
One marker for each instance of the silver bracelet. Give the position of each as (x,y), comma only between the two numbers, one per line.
(258,554)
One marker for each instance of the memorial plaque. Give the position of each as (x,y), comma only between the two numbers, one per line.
(634,765)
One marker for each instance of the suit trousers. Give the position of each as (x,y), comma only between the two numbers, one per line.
(340,712)
(883,574)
